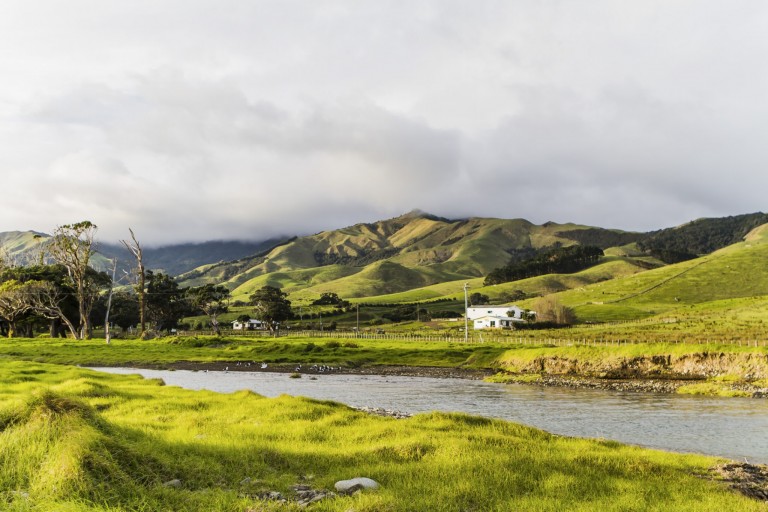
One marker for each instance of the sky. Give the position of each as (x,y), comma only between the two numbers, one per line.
(194,120)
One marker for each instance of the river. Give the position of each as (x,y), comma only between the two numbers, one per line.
(736,428)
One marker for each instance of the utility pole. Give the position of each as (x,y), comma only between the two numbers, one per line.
(466,320)
(357,327)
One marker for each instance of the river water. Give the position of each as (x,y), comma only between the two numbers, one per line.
(736,428)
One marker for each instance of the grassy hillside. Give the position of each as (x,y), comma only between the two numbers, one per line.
(736,271)
(391,256)
(22,247)
(611,268)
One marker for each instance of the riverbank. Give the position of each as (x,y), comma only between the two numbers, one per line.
(315,369)
(80,440)
(658,368)
(639,384)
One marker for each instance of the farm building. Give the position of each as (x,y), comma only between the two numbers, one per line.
(251,325)
(496,317)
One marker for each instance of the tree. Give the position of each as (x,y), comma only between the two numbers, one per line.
(48,300)
(212,300)
(165,301)
(125,310)
(271,305)
(562,260)
(549,309)
(14,304)
(72,246)
(327,299)
(478,299)
(58,297)
(134,247)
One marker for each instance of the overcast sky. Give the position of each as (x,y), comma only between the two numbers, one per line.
(192,120)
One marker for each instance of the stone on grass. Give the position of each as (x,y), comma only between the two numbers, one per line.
(355,484)
(175,483)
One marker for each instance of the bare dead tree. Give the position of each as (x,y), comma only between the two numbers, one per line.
(40,249)
(107,334)
(134,247)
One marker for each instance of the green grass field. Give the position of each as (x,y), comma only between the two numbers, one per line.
(77,440)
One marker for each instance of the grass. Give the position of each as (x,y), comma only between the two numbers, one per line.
(280,350)
(736,272)
(711,389)
(747,363)
(73,439)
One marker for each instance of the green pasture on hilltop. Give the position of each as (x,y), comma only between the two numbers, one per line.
(72,439)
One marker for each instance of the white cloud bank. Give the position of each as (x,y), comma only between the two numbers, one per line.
(197,120)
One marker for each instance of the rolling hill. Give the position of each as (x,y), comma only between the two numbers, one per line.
(390,256)
(420,257)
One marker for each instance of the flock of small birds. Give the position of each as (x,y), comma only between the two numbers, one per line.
(315,368)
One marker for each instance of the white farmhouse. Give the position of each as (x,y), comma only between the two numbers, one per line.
(251,325)
(495,317)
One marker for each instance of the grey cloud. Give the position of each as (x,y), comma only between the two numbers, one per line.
(187,121)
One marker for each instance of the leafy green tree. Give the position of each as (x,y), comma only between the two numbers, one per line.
(49,301)
(327,299)
(211,300)
(124,311)
(562,260)
(72,246)
(165,301)
(271,305)
(50,294)
(478,299)
(14,304)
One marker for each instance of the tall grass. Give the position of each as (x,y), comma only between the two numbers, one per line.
(72,439)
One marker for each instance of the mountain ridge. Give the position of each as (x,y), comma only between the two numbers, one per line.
(412,251)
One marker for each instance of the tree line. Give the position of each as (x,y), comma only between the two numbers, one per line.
(560,260)
(701,236)
(70,296)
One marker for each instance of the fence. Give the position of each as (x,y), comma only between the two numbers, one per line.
(474,338)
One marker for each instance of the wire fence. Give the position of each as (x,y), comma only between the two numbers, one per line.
(475,338)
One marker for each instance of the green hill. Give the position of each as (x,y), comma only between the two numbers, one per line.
(22,247)
(412,251)
(737,271)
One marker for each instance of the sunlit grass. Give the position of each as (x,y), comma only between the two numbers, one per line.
(72,439)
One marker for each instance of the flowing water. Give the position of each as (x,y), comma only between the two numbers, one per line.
(736,428)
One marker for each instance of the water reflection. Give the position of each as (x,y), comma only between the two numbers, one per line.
(729,427)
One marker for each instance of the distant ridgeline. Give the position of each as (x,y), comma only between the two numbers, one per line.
(560,260)
(671,245)
(698,237)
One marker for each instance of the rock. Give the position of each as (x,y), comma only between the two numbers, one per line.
(378,411)
(175,483)
(271,496)
(750,480)
(355,484)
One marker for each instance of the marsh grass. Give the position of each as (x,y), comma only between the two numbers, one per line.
(74,439)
